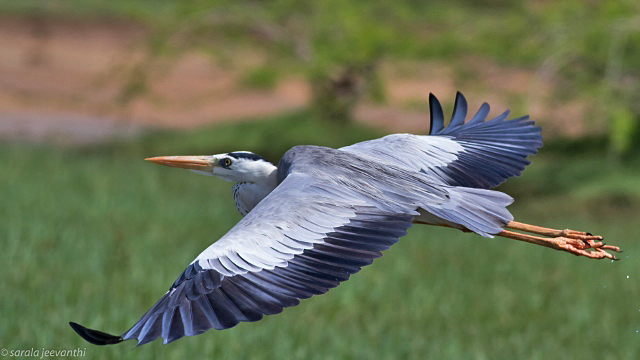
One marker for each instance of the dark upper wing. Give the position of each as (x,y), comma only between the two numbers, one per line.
(479,153)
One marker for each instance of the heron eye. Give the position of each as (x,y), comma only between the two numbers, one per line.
(227,162)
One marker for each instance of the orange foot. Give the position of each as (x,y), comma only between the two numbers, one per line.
(575,242)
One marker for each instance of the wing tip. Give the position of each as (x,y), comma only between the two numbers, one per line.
(94,336)
(437,116)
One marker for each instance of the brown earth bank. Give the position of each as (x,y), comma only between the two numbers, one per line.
(83,81)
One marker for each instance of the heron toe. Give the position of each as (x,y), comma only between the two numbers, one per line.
(581,235)
(581,247)
(575,242)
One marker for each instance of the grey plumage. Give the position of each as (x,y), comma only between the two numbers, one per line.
(334,211)
(479,154)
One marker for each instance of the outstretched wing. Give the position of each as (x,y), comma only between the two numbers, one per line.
(303,239)
(479,153)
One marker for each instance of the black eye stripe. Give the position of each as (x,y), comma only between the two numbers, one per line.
(244,155)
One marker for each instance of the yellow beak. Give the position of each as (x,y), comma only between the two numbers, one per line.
(202,163)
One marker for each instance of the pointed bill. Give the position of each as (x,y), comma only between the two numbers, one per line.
(202,163)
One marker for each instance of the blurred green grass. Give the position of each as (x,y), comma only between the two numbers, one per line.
(96,235)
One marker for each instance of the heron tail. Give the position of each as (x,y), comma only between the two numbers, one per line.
(479,210)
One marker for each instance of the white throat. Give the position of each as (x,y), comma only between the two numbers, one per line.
(248,194)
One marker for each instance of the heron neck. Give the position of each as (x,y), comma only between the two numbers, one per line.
(248,194)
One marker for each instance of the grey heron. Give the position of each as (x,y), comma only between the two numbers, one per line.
(324,213)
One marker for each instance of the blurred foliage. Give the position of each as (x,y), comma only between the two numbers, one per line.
(260,78)
(270,137)
(591,47)
(622,131)
(96,235)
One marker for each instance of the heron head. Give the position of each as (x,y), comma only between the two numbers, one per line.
(238,166)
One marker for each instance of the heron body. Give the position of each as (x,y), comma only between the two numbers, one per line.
(323,213)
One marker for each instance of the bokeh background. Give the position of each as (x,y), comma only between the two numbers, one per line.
(91,233)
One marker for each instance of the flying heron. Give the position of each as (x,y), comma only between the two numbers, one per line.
(323,213)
